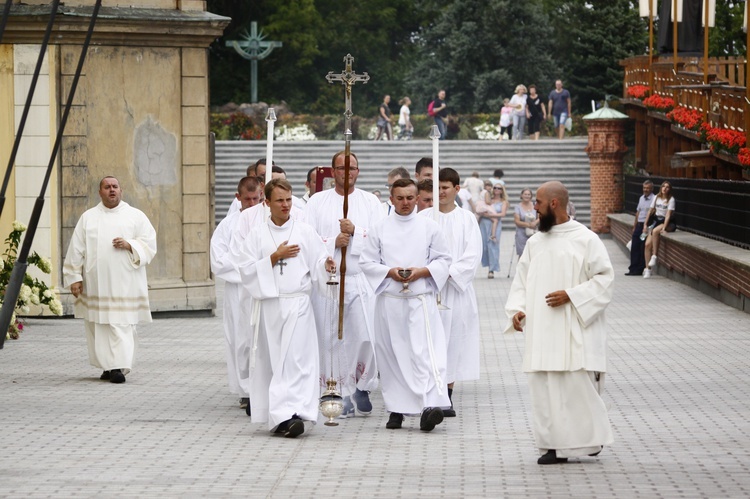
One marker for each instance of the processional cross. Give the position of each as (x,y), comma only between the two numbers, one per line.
(254,47)
(347,78)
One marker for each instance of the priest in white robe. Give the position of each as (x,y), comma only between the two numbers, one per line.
(280,262)
(236,338)
(105,268)
(351,361)
(461,317)
(409,337)
(563,284)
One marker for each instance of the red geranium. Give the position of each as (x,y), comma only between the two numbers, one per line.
(658,103)
(725,139)
(744,156)
(638,91)
(690,119)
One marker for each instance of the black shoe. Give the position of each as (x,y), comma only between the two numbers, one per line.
(116,376)
(449,413)
(247,408)
(431,417)
(551,458)
(633,273)
(295,427)
(395,421)
(105,376)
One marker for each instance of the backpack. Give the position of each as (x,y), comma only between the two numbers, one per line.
(431,109)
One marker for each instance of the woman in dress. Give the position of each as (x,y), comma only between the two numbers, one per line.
(662,210)
(490,227)
(525,218)
(404,120)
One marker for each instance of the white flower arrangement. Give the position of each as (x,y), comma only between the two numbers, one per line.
(32,291)
(487,131)
(294,134)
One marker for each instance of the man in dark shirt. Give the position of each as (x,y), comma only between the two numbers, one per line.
(559,107)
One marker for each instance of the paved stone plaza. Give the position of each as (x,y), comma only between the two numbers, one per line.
(679,386)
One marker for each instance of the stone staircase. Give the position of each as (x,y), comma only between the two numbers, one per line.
(525,163)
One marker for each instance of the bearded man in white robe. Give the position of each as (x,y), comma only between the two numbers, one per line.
(105,268)
(353,362)
(281,260)
(409,337)
(461,317)
(562,287)
(237,339)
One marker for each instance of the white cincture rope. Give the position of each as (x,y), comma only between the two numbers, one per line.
(255,320)
(430,347)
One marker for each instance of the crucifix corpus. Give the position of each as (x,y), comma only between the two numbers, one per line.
(347,78)
(254,47)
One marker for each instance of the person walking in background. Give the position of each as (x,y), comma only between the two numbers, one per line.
(525,219)
(497,177)
(518,102)
(404,120)
(105,268)
(441,112)
(496,202)
(474,186)
(559,107)
(506,121)
(384,119)
(535,112)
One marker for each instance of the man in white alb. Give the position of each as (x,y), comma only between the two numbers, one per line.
(236,338)
(461,317)
(354,359)
(406,260)
(563,284)
(105,268)
(281,260)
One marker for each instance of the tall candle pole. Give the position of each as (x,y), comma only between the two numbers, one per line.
(435,136)
(271,121)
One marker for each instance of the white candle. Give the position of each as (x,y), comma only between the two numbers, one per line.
(270,120)
(435,136)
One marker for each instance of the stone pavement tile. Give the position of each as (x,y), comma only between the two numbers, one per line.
(678,386)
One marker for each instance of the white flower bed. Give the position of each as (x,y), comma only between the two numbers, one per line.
(487,131)
(293,134)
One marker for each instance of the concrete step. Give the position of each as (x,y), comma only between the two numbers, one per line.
(525,163)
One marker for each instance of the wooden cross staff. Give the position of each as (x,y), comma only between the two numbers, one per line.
(347,78)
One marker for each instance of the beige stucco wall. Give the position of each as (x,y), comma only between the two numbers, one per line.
(137,111)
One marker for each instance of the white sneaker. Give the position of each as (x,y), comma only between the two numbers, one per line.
(646,273)
(652,262)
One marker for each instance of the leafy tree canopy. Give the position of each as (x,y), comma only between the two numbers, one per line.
(477,50)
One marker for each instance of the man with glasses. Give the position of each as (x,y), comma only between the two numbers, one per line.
(354,366)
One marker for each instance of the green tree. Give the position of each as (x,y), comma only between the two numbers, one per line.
(593,36)
(479,50)
(727,37)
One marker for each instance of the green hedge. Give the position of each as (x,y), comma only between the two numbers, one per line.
(239,126)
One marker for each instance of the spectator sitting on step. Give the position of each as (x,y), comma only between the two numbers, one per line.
(660,218)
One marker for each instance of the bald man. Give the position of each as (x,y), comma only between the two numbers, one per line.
(563,284)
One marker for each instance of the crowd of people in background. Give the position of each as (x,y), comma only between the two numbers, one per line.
(521,116)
